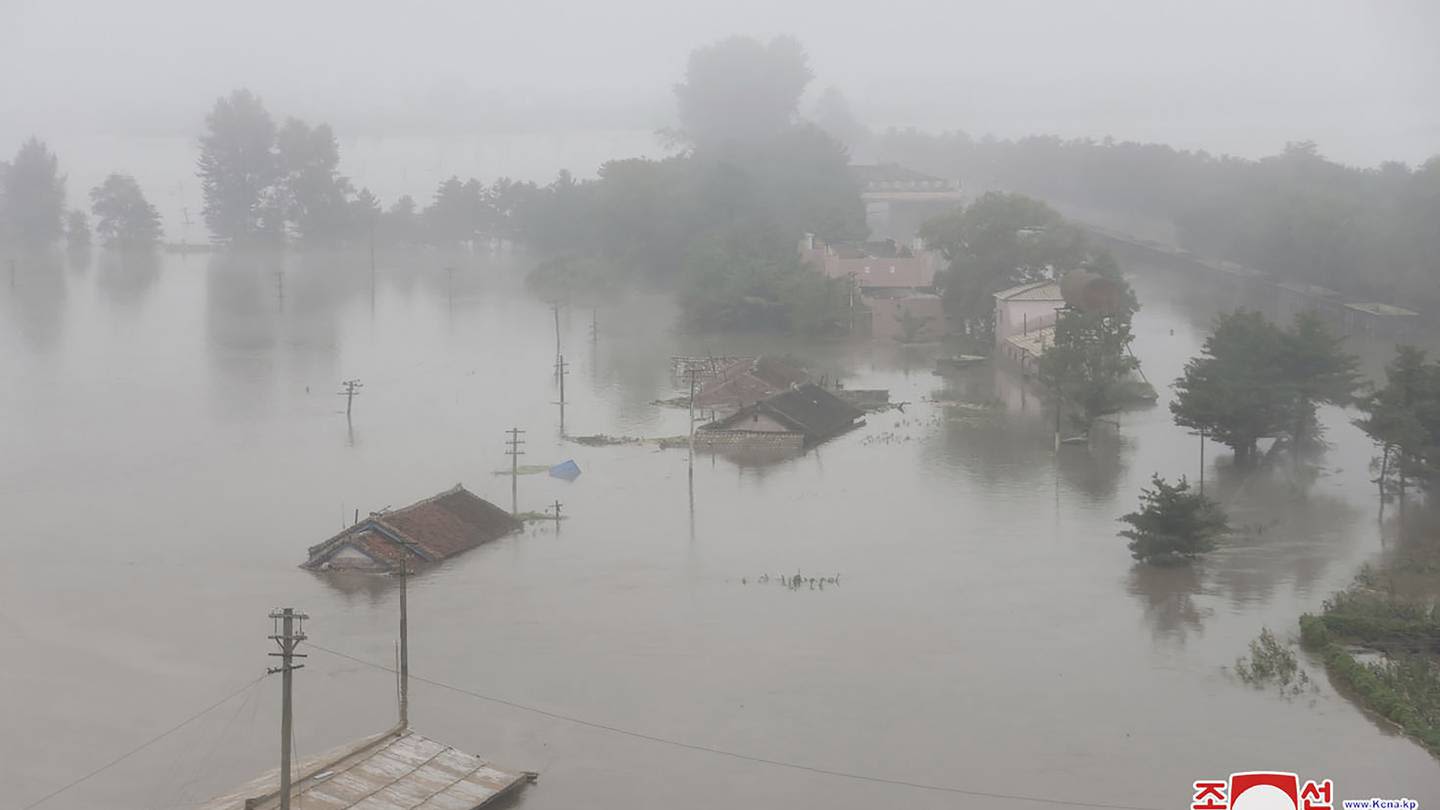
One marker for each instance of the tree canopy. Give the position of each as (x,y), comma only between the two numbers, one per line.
(312,193)
(1173,523)
(741,90)
(1403,419)
(1367,232)
(997,242)
(123,217)
(1254,380)
(238,169)
(32,196)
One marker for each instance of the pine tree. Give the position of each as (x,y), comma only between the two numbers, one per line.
(1173,524)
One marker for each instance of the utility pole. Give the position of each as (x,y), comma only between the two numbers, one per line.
(556,507)
(404,643)
(352,390)
(555,308)
(692,371)
(515,453)
(288,635)
(594,326)
(560,371)
(372,263)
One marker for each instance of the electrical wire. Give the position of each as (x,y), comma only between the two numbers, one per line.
(202,767)
(141,747)
(982,794)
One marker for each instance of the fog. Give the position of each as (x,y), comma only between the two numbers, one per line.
(845,370)
(1236,77)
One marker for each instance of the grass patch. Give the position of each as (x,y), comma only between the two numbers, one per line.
(603,440)
(1404,686)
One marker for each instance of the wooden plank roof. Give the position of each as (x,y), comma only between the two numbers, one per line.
(400,770)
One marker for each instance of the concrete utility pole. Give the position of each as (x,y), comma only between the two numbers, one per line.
(515,453)
(352,390)
(289,632)
(560,371)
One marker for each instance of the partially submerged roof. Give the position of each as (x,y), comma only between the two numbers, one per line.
(440,526)
(399,770)
(1034,342)
(1032,291)
(807,409)
(747,381)
(1384,310)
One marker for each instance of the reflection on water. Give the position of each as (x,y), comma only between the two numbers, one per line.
(177,442)
(37,290)
(1168,596)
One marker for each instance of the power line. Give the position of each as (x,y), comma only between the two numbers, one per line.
(982,794)
(137,749)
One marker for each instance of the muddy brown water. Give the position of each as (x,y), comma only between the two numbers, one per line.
(172,441)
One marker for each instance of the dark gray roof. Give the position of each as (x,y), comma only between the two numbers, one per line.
(807,409)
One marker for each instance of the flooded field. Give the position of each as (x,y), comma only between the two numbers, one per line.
(171,441)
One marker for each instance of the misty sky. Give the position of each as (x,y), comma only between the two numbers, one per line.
(1239,76)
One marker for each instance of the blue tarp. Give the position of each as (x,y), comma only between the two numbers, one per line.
(567,469)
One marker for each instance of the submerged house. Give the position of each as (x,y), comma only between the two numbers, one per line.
(746,381)
(802,416)
(431,530)
(1025,321)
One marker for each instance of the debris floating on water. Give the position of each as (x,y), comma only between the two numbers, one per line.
(566,470)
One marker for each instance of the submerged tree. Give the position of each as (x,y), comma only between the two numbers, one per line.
(123,217)
(33,192)
(238,170)
(1317,370)
(77,229)
(999,241)
(1173,524)
(1255,381)
(1089,363)
(1403,419)
(313,193)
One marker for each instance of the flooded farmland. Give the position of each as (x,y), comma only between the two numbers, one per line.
(172,442)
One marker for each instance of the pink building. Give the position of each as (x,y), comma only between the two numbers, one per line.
(907,269)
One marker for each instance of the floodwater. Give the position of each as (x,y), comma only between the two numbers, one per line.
(172,441)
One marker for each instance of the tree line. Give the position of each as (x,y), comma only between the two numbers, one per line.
(719,223)
(1367,232)
(33,215)
(1257,380)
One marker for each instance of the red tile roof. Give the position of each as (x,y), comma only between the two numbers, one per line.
(748,381)
(438,527)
